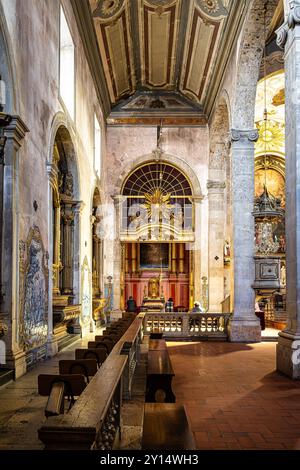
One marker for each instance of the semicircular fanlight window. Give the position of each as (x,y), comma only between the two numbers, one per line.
(152,176)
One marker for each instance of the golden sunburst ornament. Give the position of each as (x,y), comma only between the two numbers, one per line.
(271,136)
(157,201)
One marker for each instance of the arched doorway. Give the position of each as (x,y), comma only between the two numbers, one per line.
(157,235)
(65,239)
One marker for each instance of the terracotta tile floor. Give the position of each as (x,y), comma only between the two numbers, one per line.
(234,397)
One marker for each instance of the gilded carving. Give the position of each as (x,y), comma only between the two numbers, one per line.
(33,327)
(213,8)
(107,8)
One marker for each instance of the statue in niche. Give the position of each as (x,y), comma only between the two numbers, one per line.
(283,276)
(226,249)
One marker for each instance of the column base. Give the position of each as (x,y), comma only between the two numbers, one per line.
(288,354)
(244,331)
(52,346)
(17,362)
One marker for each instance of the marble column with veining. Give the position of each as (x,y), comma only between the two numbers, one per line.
(244,326)
(288,347)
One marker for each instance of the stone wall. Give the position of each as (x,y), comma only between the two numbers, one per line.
(33,35)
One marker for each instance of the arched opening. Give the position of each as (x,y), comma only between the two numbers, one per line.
(157,233)
(270,189)
(65,237)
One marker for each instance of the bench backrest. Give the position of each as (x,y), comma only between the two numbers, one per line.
(99,354)
(74,383)
(86,367)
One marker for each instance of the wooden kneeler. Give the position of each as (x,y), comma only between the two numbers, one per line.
(57,387)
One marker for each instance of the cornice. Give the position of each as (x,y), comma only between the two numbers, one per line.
(86,29)
(236,18)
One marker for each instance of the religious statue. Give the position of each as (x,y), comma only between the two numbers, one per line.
(283,276)
(226,249)
(153,288)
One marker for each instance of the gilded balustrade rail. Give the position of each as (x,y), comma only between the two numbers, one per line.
(185,325)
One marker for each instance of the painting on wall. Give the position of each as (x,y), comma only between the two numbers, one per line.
(34,275)
(274,181)
(154,255)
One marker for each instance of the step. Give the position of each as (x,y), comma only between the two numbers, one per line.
(67,340)
(6,375)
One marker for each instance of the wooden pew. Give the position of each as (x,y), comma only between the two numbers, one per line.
(157,345)
(166,428)
(86,367)
(94,420)
(160,373)
(56,387)
(107,344)
(99,354)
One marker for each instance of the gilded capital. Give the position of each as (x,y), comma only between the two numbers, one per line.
(251,135)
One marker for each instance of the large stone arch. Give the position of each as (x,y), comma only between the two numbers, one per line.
(8,68)
(60,127)
(249,60)
(168,158)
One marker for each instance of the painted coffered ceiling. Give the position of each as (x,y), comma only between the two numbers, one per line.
(173,46)
(159,46)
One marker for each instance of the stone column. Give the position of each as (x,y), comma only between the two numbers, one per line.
(245,326)
(15,356)
(216,226)
(288,348)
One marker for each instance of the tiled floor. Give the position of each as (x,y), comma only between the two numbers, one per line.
(234,397)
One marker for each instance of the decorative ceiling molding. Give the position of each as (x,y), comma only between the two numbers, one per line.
(158,31)
(108,8)
(213,8)
(115,43)
(199,53)
(86,29)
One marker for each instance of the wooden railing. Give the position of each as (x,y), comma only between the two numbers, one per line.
(185,325)
(94,420)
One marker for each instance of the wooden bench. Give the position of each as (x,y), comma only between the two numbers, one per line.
(86,367)
(159,374)
(157,345)
(97,409)
(98,354)
(166,428)
(57,387)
